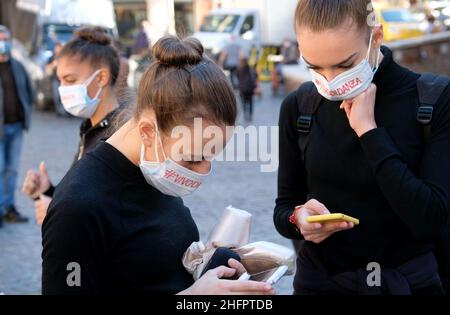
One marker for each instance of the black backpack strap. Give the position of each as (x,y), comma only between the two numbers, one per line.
(308,101)
(430,87)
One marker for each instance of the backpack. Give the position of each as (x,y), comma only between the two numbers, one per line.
(430,87)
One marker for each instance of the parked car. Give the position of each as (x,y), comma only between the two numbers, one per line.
(399,23)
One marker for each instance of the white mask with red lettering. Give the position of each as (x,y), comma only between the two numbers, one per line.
(75,98)
(168,176)
(348,84)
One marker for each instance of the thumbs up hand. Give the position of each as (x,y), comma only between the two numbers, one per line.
(36,183)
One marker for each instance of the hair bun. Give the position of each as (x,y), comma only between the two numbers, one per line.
(94,35)
(174,52)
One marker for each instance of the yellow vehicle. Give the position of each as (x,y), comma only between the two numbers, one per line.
(399,23)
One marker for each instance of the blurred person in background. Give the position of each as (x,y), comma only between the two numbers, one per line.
(142,43)
(290,52)
(247,84)
(88,69)
(16,98)
(229,59)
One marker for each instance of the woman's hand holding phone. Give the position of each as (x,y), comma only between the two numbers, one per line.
(211,283)
(317,232)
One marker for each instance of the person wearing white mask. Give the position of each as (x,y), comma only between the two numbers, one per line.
(118,213)
(17,96)
(88,67)
(353,141)
(350,83)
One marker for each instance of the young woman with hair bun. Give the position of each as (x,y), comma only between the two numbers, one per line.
(118,213)
(87,68)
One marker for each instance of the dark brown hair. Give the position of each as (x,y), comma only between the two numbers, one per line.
(320,15)
(94,45)
(183,84)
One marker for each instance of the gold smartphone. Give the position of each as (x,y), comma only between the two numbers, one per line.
(333,217)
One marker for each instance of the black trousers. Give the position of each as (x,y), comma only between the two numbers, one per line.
(419,276)
(233,75)
(247,103)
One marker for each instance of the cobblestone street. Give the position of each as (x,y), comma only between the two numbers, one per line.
(53,139)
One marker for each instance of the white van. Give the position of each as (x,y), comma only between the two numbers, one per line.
(253,23)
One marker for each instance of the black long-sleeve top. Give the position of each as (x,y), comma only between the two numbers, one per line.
(125,236)
(90,137)
(394,181)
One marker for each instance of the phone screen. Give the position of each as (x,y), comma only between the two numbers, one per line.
(272,276)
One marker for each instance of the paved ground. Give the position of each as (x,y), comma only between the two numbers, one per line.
(53,139)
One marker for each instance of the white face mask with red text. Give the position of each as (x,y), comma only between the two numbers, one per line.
(76,101)
(348,84)
(168,176)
